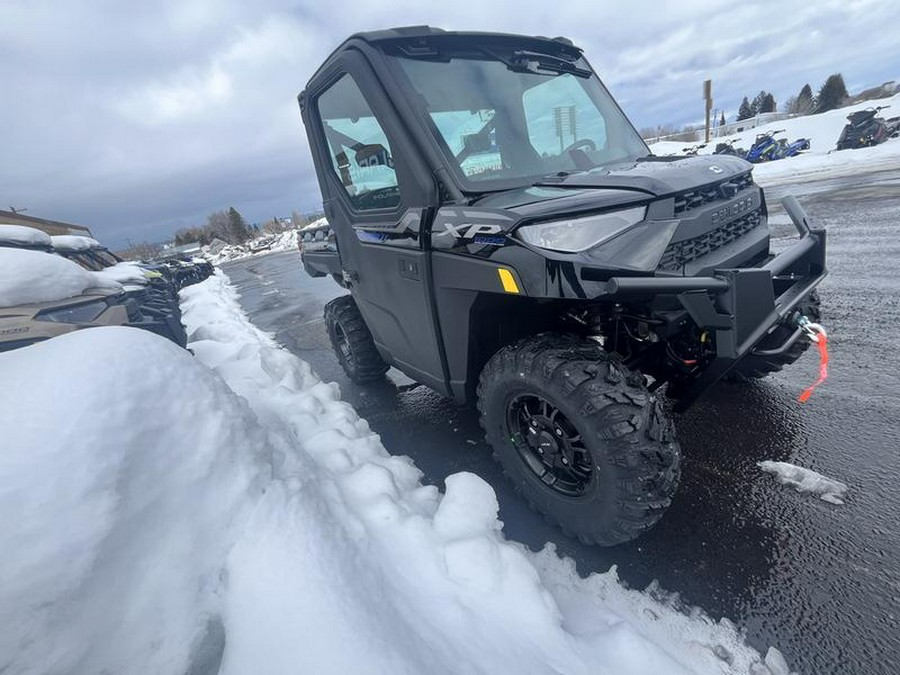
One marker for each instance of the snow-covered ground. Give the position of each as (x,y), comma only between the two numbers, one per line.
(164,513)
(806,480)
(284,241)
(819,162)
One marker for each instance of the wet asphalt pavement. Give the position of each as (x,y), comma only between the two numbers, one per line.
(821,582)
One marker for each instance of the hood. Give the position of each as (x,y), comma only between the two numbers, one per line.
(538,200)
(656,176)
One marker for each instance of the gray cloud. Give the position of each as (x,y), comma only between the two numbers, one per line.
(138,118)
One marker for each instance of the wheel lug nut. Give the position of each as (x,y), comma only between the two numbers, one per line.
(565,461)
(559,432)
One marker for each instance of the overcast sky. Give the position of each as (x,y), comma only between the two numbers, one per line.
(137,118)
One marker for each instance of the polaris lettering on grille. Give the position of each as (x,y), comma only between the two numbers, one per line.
(732,210)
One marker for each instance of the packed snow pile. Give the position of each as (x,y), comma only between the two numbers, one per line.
(31,277)
(820,161)
(806,480)
(20,235)
(228,513)
(267,243)
(119,493)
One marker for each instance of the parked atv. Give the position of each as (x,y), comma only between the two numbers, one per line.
(864,129)
(33,310)
(507,238)
(149,302)
(28,324)
(152,298)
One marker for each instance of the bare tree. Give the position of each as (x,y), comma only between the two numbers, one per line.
(140,251)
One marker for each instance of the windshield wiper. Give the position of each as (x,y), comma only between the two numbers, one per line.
(525,61)
(532,62)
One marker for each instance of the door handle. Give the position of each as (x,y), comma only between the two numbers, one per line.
(409,269)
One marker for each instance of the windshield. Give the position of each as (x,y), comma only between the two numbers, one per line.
(505,118)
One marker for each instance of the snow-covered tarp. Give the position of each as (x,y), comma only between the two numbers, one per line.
(74,242)
(32,277)
(806,480)
(229,513)
(21,235)
(821,160)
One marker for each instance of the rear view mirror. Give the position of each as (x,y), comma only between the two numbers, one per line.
(476,143)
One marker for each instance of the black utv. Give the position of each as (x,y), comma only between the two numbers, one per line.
(508,239)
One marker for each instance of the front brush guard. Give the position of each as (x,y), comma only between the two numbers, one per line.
(741,306)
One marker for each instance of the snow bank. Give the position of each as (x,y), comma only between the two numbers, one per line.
(806,480)
(31,277)
(174,513)
(404,579)
(819,161)
(74,242)
(21,235)
(118,494)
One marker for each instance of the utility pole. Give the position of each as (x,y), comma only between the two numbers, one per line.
(707,95)
(565,119)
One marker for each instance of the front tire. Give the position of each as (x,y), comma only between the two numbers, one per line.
(580,437)
(352,342)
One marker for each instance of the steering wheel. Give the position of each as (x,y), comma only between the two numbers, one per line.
(581,143)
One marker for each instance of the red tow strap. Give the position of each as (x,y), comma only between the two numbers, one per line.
(822,344)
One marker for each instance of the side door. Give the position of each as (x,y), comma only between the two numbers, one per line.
(377,193)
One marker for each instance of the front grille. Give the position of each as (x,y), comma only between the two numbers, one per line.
(681,253)
(725,189)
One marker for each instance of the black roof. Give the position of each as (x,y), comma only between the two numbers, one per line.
(412,34)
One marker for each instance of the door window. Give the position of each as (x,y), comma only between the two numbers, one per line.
(360,152)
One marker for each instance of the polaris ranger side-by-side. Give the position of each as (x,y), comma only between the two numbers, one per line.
(508,239)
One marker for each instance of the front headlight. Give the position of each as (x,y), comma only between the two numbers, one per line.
(580,234)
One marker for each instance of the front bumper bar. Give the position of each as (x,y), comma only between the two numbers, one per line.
(741,306)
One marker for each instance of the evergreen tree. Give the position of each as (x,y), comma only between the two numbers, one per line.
(805,102)
(722,120)
(832,93)
(237,226)
(745,112)
(757,103)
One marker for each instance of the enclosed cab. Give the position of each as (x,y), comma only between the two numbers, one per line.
(507,238)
